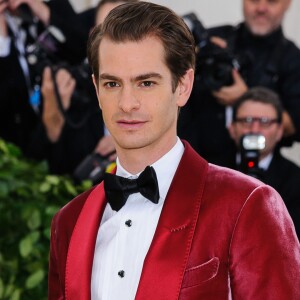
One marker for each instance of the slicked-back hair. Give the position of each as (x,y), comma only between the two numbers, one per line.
(103,2)
(262,95)
(135,21)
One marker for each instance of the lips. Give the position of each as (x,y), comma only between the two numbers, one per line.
(261,18)
(131,124)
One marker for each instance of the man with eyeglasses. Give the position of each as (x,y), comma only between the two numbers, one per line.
(265,58)
(259,112)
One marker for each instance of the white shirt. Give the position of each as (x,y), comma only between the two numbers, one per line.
(14,24)
(124,237)
(265,162)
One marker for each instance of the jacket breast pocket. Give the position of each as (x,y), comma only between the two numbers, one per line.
(201,273)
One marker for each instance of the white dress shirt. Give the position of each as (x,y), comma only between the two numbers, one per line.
(124,237)
(19,40)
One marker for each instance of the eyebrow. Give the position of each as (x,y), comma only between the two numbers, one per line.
(145,76)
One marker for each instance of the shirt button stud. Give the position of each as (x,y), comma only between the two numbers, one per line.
(121,273)
(128,223)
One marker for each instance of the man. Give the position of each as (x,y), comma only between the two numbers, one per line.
(259,112)
(209,232)
(266,58)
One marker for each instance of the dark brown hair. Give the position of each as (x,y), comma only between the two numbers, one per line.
(134,22)
(262,95)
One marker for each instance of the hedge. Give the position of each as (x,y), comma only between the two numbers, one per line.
(29,197)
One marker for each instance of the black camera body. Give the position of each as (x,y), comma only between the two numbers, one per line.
(213,64)
(44,52)
(251,145)
(91,168)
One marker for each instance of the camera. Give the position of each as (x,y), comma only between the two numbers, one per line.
(25,13)
(92,168)
(44,52)
(251,145)
(213,64)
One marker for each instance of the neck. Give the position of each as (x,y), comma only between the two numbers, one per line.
(271,37)
(136,160)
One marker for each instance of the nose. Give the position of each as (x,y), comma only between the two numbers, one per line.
(261,6)
(128,100)
(255,127)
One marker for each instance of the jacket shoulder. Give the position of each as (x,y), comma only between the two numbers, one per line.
(68,215)
(232,189)
(227,177)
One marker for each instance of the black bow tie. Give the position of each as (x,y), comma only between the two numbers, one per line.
(117,188)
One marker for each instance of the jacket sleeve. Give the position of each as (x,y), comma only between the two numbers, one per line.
(264,252)
(55,277)
(288,85)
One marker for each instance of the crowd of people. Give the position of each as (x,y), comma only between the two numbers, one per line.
(246,85)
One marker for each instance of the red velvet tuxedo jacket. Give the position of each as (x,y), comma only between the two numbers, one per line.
(220,233)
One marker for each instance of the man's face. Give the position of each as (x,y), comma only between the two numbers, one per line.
(272,132)
(135,94)
(264,16)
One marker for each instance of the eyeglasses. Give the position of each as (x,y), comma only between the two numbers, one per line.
(264,122)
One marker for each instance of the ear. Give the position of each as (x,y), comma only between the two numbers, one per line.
(96,88)
(279,132)
(184,88)
(288,3)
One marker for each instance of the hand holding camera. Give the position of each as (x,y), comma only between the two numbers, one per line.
(53,118)
(227,95)
(28,9)
(217,67)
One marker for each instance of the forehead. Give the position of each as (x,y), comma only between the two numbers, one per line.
(271,2)
(254,108)
(130,56)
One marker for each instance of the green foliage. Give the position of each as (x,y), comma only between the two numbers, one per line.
(29,197)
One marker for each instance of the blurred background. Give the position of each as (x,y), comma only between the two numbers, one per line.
(215,12)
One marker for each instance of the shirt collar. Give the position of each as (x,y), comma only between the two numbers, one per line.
(265,162)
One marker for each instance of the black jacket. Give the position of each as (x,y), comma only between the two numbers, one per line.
(18,119)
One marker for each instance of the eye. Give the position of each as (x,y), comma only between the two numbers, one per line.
(147,83)
(111,84)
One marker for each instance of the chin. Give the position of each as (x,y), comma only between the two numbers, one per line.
(260,30)
(131,144)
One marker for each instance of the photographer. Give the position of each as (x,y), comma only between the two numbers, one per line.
(259,112)
(17,116)
(263,56)
(72,136)
(68,132)
(21,25)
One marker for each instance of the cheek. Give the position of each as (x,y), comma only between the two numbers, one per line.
(244,131)
(107,109)
(248,9)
